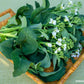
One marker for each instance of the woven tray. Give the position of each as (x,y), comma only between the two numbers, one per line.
(70,68)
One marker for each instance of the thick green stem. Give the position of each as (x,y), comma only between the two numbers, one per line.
(46,42)
(8,35)
(6,30)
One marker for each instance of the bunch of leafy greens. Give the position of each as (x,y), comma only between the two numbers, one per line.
(35,38)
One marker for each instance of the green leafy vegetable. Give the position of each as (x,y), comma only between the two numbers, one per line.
(37,4)
(45,4)
(41,37)
(27,41)
(21,64)
(45,63)
(6,47)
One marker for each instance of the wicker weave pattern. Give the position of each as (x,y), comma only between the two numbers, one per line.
(4,22)
(70,68)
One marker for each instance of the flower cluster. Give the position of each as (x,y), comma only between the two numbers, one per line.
(59,43)
(52,21)
(77,52)
(56,30)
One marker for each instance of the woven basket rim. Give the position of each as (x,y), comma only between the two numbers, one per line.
(36,79)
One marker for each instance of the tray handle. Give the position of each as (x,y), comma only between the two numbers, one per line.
(4,22)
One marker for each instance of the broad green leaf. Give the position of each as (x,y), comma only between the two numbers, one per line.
(38,19)
(46,15)
(23,21)
(36,26)
(73,37)
(6,47)
(65,33)
(45,74)
(37,5)
(36,12)
(46,61)
(21,64)
(29,47)
(27,40)
(37,56)
(20,12)
(15,57)
(61,63)
(45,3)
(29,12)
(78,35)
(54,61)
(25,34)
(82,19)
(52,76)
